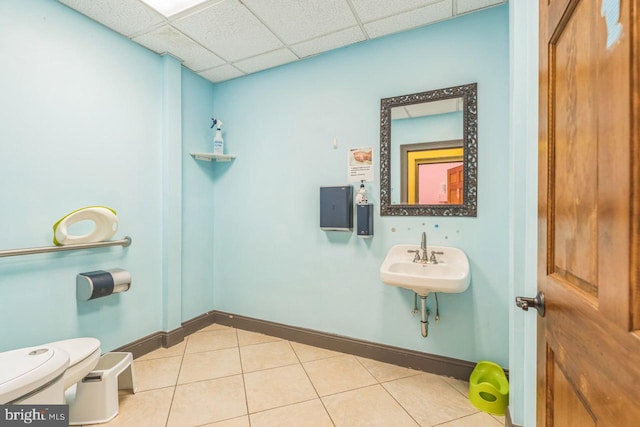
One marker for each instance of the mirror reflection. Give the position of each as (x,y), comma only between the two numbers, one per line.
(427,137)
(428,153)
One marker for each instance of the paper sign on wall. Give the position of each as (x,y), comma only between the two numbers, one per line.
(360,164)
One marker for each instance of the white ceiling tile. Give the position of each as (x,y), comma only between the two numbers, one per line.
(168,39)
(266,60)
(398,113)
(433,107)
(124,16)
(370,10)
(328,42)
(415,18)
(295,21)
(172,7)
(229,30)
(464,6)
(252,34)
(222,73)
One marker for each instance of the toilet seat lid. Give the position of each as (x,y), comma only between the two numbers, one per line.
(26,369)
(77,348)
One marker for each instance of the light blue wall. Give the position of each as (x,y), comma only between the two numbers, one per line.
(523,173)
(82,122)
(198,188)
(426,129)
(172,193)
(273,262)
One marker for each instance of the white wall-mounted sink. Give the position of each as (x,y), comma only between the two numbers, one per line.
(450,274)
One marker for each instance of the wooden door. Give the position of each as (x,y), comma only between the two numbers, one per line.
(588,212)
(455,181)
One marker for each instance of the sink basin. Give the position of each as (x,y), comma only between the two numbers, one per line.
(450,275)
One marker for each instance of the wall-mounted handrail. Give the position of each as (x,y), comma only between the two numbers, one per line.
(126,241)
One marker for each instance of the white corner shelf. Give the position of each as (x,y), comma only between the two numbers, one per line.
(207,157)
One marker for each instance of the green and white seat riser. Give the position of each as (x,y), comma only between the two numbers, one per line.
(104,218)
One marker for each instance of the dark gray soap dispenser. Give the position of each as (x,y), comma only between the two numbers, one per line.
(364,216)
(336,208)
(364,213)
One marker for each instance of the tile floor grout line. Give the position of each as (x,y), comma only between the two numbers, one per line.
(407,411)
(213,349)
(413,372)
(284,406)
(208,379)
(442,379)
(213,332)
(351,389)
(270,369)
(260,343)
(368,371)
(175,386)
(343,391)
(199,380)
(244,373)
(459,418)
(398,402)
(139,362)
(502,422)
(326,358)
(244,384)
(312,384)
(402,378)
(388,381)
(227,376)
(221,421)
(274,367)
(452,386)
(338,354)
(305,372)
(215,377)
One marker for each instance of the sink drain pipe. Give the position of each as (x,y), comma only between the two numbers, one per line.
(424,321)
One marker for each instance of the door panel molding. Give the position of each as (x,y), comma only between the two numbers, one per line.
(589,341)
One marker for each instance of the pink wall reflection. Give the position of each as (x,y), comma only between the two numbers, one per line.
(432,182)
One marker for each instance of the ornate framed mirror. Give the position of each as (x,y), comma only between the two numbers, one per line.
(429,153)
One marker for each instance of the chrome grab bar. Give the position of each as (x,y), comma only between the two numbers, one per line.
(126,241)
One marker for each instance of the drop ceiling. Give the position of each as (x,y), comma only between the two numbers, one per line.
(225,39)
(429,108)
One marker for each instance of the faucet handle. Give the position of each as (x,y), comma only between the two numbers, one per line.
(416,258)
(433,258)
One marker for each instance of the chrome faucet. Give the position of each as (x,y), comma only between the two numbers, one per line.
(423,247)
(424,259)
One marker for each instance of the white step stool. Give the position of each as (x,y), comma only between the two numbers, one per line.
(96,395)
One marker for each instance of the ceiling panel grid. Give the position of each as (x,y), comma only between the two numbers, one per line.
(225,39)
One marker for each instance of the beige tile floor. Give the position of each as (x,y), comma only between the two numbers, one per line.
(225,377)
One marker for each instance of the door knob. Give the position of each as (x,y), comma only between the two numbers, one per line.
(537,302)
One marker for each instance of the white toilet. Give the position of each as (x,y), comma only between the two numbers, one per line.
(41,374)
(84,354)
(33,375)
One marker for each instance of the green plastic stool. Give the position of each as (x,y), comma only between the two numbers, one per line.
(489,388)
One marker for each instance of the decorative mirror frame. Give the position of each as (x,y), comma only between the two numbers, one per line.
(469,207)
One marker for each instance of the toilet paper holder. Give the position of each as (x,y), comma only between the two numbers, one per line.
(100,283)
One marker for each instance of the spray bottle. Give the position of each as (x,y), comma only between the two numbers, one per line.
(218,142)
